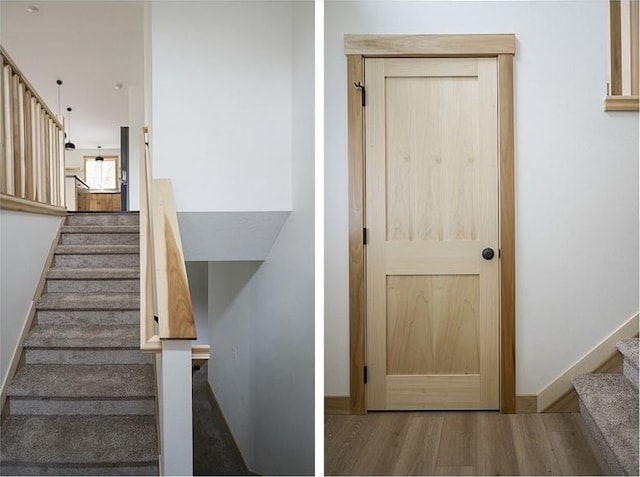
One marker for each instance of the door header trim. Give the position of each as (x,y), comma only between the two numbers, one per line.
(430,45)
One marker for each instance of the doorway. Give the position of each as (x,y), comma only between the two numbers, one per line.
(431,185)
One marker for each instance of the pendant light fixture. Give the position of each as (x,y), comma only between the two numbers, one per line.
(99,156)
(69,145)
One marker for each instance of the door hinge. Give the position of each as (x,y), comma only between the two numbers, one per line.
(364,236)
(360,86)
(365,375)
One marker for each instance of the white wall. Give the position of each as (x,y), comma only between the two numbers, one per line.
(222,124)
(25,240)
(261,314)
(576,176)
(74,159)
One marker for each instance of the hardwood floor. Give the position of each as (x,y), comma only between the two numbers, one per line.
(457,443)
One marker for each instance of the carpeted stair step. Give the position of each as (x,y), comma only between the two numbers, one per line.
(86,301)
(93,273)
(109,249)
(54,389)
(88,317)
(97,256)
(93,280)
(110,218)
(90,344)
(96,260)
(101,229)
(629,349)
(55,445)
(116,235)
(609,406)
(101,285)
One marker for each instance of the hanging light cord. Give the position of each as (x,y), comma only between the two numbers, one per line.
(59,82)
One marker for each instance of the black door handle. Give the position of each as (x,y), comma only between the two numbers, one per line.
(488,253)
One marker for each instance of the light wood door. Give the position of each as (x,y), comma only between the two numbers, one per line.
(431,210)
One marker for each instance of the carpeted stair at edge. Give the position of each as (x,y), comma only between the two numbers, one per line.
(83,401)
(609,406)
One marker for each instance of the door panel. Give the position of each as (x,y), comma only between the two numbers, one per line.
(432,324)
(431,208)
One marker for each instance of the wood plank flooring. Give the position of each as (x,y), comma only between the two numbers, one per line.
(457,443)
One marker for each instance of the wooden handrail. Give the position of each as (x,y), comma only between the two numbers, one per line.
(9,61)
(164,287)
(149,341)
(32,141)
(172,288)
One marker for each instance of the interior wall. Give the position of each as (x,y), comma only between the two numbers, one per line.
(576,176)
(228,118)
(74,159)
(262,315)
(25,241)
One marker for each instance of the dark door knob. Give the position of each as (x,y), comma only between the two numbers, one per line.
(488,253)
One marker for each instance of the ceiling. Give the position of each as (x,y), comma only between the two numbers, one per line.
(91,46)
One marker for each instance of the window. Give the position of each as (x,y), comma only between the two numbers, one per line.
(101,175)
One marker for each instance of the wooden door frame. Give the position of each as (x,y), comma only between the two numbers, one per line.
(359,47)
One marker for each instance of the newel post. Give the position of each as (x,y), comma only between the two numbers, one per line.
(175,390)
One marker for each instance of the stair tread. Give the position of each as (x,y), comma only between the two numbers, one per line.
(97,249)
(612,403)
(630,348)
(79,440)
(83,336)
(89,301)
(68,273)
(83,381)
(100,229)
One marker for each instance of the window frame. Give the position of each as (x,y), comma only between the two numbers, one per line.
(114,158)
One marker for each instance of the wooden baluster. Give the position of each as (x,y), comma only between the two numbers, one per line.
(62,166)
(15,127)
(56,165)
(3,165)
(22,135)
(47,159)
(43,167)
(615,47)
(8,128)
(39,191)
(34,149)
(28,146)
(634,50)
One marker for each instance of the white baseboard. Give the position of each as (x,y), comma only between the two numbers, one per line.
(587,364)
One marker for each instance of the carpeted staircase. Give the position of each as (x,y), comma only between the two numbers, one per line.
(83,400)
(609,406)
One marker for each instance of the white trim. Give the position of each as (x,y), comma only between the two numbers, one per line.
(587,364)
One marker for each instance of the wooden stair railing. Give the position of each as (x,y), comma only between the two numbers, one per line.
(160,244)
(167,325)
(31,146)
